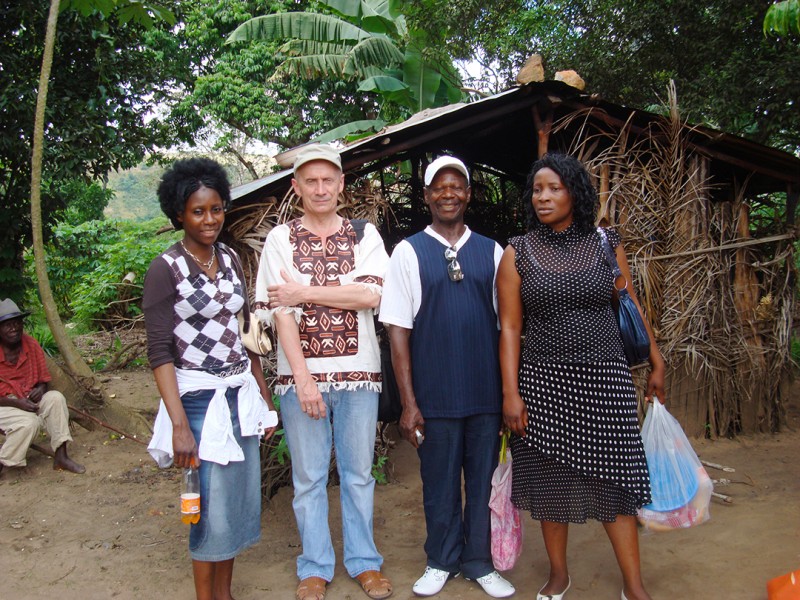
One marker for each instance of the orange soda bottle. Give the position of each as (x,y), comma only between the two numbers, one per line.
(190,495)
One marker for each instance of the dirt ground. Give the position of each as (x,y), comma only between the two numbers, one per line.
(115,533)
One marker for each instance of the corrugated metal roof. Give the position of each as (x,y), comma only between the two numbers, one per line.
(500,132)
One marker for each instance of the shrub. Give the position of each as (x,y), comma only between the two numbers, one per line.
(88,263)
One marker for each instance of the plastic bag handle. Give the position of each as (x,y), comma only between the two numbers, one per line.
(503,447)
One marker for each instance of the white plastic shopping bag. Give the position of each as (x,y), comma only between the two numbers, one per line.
(680,487)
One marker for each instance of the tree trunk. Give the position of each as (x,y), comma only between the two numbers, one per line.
(94,399)
(113,413)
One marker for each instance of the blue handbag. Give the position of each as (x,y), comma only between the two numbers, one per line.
(635,340)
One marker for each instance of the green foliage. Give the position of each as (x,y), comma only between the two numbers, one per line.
(115,357)
(783,18)
(727,73)
(87,263)
(133,249)
(105,79)
(351,131)
(379,470)
(81,201)
(365,41)
(135,11)
(134,197)
(230,99)
(42,334)
(796,351)
(279,448)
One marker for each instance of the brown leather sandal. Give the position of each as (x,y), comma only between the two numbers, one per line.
(311,588)
(375,584)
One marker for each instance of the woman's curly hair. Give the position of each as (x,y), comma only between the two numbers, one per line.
(576,179)
(184,178)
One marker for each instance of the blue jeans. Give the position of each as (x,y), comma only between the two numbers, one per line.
(350,425)
(230,495)
(459,540)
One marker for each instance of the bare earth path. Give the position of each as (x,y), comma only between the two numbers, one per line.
(114,532)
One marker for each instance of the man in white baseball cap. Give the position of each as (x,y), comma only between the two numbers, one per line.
(26,405)
(445,162)
(445,358)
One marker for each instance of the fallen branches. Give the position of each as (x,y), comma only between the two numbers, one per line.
(86,415)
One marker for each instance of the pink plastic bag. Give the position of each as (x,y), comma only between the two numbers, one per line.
(505,517)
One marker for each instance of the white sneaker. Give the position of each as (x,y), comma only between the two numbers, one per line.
(431,582)
(495,585)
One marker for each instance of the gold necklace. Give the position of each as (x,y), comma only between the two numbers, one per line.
(205,265)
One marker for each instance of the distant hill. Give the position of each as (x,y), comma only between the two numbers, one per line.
(134,193)
(135,189)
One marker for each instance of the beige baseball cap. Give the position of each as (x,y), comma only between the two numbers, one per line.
(445,162)
(317,152)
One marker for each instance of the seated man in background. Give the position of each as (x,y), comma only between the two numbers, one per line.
(25,403)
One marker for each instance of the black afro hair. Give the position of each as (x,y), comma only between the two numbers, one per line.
(184,178)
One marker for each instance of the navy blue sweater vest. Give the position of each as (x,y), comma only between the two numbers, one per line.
(454,342)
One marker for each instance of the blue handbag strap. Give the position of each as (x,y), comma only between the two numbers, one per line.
(610,256)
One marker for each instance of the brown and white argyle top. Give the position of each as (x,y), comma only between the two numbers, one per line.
(339,345)
(191,318)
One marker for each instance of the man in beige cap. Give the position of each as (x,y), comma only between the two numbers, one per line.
(319,283)
(25,403)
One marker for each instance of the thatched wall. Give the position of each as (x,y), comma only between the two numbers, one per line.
(719,299)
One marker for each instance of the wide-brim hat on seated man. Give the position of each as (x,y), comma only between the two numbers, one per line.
(10,310)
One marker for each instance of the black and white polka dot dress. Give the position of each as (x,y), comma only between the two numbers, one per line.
(582,456)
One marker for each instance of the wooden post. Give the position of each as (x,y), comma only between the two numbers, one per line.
(543,126)
(753,414)
(604,218)
(791,205)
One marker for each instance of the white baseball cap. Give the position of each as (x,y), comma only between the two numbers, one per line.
(445,162)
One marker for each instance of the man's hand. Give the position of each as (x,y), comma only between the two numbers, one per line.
(310,399)
(285,294)
(410,421)
(37,392)
(25,404)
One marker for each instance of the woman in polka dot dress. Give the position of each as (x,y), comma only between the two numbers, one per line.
(568,396)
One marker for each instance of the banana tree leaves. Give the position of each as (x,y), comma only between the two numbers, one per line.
(373,16)
(311,67)
(346,8)
(376,51)
(423,79)
(309,47)
(365,127)
(390,88)
(387,10)
(783,18)
(298,25)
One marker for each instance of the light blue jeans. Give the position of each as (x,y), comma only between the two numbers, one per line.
(350,425)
